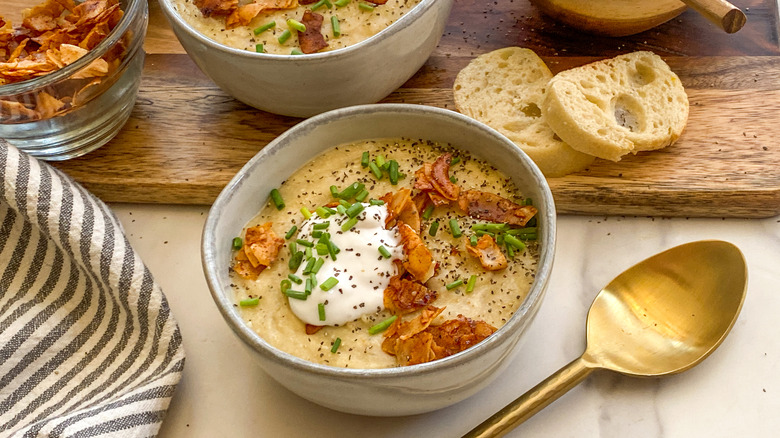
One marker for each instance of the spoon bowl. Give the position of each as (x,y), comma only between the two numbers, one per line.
(662,316)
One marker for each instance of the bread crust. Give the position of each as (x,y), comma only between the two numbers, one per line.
(505,89)
(630,103)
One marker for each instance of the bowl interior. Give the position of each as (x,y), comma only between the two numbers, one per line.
(248,192)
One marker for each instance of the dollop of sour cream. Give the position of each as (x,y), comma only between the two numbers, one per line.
(362,272)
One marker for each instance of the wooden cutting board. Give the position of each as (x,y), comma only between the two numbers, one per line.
(186,138)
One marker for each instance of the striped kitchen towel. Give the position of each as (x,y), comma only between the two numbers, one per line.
(88,344)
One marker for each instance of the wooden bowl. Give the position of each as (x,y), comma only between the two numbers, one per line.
(611,17)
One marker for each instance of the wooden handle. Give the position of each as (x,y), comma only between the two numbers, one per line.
(533,401)
(725,15)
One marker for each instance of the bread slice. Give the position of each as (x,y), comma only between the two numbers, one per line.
(505,90)
(630,103)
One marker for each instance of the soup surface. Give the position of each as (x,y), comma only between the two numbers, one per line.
(355,24)
(491,296)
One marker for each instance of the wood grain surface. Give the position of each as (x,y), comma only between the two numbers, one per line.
(186,138)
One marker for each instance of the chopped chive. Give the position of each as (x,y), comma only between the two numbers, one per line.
(352,190)
(329,283)
(345,203)
(317,265)
(341,209)
(309,265)
(321,225)
(510,251)
(470,284)
(296,51)
(500,239)
(297,25)
(334,191)
(308,252)
(295,261)
(318,5)
(276,197)
(522,232)
(453,179)
(380,161)
(336,26)
(309,286)
(393,172)
(434,227)
(250,302)
(528,201)
(355,209)
(365,157)
(284,285)
(481,233)
(313,278)
(514,241)
(305,243)
(376,202)
(291,232)
(321,311)
(296,294)
(322,212)
(316,234)
(454,161)
(295,279)
(259,48)
(454,284)
(293,248)
(375,170)
(333,246)
(265,27)
(455,228)
(385,253)
(341,3)
(346,226)
(487,226)
(428,212)
(237,243)
(382,326)
(332,251)
(473,240)
(365,7)
(305,212)
(284,36)
(321,248)
(336,345)
(531,222)
(362,196)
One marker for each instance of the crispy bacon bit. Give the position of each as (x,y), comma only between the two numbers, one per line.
(417,341)
(494,208)
(216,7)
(378,2)
(261,246)
(456,335)
(419,260)
(312,329)
(489,253)
(403,296)
(311,40)
(401,207)
(434,180)
(243,15)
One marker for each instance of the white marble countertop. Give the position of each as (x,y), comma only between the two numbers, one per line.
(733,393)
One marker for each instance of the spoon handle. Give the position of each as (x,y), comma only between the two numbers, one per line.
(533,401)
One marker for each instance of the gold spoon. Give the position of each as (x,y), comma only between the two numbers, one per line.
(662,316)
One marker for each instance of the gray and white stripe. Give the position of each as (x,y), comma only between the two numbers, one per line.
(88,345)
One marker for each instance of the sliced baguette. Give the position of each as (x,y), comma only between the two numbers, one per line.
(505,90)
(630,103)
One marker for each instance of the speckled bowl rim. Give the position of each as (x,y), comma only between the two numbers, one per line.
(527,308)
(394,28)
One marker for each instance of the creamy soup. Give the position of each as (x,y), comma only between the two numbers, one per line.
(355,24)
(354,304)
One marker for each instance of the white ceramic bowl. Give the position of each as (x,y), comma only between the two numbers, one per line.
(394,391)
(301,86)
